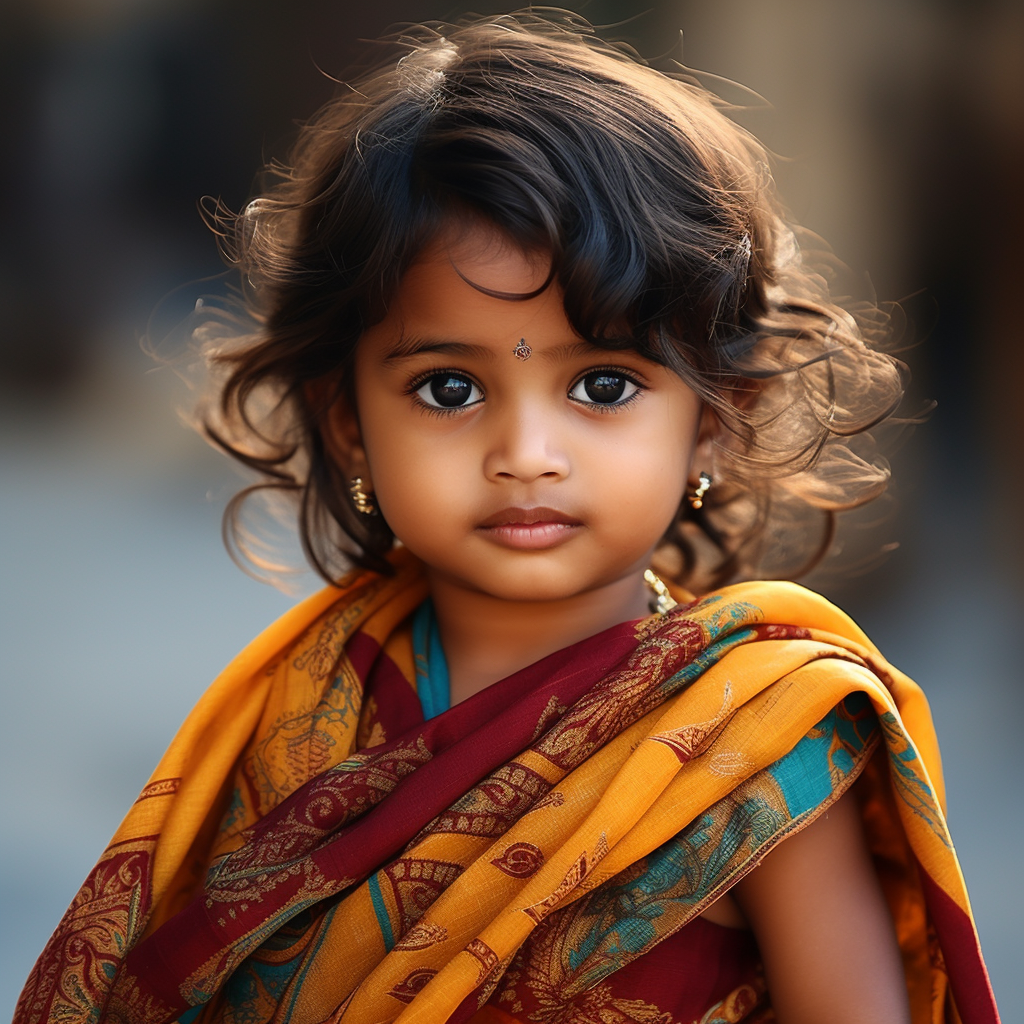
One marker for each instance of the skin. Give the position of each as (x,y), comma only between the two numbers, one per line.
(507,596)
(825,934)
(535,510)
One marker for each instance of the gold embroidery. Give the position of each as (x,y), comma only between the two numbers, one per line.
(422,935)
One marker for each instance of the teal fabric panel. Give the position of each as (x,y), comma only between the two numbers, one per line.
(804,774)
(432,686)
(381,911)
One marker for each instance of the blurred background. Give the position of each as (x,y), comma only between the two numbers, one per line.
(899,130)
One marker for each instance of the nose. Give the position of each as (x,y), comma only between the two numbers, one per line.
(525,445)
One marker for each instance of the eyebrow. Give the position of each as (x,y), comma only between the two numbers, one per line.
(406,347)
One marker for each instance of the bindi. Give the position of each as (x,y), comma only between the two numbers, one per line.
(522,351)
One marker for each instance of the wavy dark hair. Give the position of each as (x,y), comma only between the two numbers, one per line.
(665,235)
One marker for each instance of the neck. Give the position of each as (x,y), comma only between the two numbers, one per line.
(486,638)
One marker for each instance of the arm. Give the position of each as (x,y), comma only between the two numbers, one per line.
(823,927)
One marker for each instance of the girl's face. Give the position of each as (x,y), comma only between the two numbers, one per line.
(528,479)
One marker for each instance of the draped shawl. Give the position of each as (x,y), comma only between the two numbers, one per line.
(309,849)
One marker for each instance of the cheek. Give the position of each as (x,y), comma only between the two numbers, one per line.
(645,475)
(415,482)
(649,494)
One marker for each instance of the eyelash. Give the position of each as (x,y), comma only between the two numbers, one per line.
(417,382)
(611,371)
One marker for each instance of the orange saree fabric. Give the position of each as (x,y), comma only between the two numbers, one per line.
(309,849)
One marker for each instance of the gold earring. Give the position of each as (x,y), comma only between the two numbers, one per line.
(663,601)
(703,486)
(362,499)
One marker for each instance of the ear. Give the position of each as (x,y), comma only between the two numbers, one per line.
(702,458)
(343,439)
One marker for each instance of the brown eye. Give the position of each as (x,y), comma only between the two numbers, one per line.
(449,391)
(604,388)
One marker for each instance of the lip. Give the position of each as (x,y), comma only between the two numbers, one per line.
(530,529)
(528,517)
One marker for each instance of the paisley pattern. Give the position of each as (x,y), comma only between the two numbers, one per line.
(646,904)
(415,884)
(574,878)
(73,974)
(422,935)
(301,746)
(407,989)
(310,849)
(520,860)
(490,808)
(687,741)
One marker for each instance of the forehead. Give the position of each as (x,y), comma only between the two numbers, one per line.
(473,282)
(487,259)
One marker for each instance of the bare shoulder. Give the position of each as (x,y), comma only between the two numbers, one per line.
(823,927)
(829,850)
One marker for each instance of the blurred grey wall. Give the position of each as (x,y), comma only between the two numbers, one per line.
(899,130)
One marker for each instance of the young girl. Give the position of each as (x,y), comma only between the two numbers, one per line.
(531,327)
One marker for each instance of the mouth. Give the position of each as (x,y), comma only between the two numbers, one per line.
(530,529)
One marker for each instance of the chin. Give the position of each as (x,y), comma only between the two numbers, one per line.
(540,584)
(531,592)
(512,583)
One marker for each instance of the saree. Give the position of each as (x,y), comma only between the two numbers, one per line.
(310,849)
